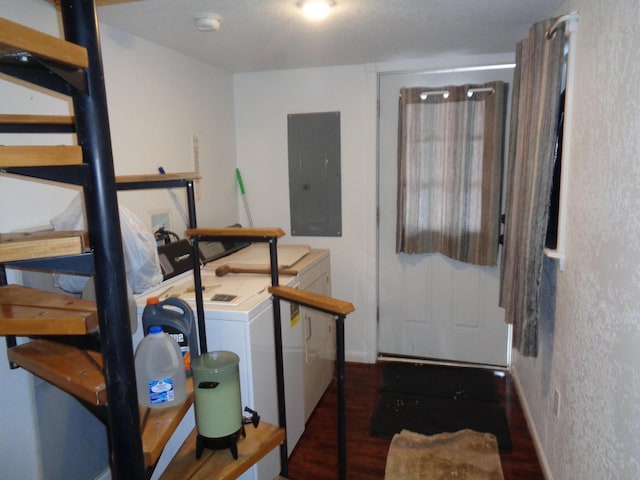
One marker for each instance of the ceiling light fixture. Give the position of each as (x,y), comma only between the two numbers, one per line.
(316,9)
(208,22)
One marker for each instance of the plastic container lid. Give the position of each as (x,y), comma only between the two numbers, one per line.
(214,361)
(155,329)
(153,300)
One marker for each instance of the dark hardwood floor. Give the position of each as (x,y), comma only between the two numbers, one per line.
(315,457)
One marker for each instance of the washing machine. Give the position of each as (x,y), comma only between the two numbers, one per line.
(238,314)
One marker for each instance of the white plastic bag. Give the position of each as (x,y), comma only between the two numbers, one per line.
(140,253)
(142,266)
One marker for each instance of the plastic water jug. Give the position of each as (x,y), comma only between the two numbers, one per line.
(160,375)
(175,316)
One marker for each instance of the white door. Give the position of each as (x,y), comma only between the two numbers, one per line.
(430,306)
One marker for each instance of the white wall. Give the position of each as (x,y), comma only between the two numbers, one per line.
(590,351)
(157,100)
(263,100)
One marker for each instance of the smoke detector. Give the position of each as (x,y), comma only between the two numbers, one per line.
(208,22)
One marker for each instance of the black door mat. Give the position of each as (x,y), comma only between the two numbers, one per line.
(434,380)
(431,399)
(431,414)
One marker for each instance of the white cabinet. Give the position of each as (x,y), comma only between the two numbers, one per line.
(314,275)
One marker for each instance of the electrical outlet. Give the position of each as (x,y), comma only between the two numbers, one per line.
(556,403)
(160,219)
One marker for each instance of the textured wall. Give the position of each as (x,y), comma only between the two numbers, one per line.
(590,349)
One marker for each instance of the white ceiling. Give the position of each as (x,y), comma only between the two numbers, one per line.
(261,35)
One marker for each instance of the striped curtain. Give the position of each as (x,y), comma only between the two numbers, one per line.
(450,146)
(532,142)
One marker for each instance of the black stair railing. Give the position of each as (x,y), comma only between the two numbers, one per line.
(92,124)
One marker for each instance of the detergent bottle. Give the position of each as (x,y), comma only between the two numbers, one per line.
(160,375)
(176,319)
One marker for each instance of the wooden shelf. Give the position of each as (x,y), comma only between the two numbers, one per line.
(29,246)
(220,465)
(16,38)
(40,156)
(29,311)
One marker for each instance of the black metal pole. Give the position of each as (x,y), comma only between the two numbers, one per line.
(197,285)
(277,334)
(191,205)
(342,416)
(197,275)
(90,110)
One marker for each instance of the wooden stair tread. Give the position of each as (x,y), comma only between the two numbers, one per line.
(79,373)
(220,465)
(19,119)
(28,311)
(39,155)
(73,370)
(28,246)
(16,38)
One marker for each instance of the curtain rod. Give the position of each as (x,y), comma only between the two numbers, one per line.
(570,18)
(445,93)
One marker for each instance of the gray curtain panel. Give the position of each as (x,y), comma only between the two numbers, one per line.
(532,140)
(450,148)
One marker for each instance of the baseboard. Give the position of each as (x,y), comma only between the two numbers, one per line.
(357,357)
(426,361)
(542,458)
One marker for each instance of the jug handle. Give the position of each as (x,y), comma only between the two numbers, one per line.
(179,304)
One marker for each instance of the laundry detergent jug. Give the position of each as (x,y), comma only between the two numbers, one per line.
(175,316)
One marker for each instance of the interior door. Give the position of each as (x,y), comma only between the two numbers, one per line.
(430,306)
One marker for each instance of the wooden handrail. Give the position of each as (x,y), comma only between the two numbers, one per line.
(313,300)
(235,232)
(157,177)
